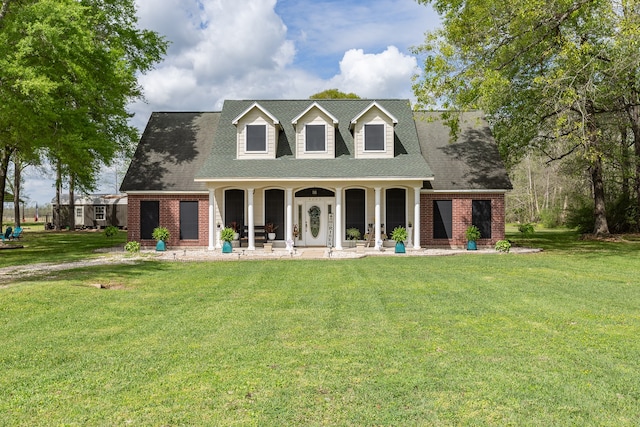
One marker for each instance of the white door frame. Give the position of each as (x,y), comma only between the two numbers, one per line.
(326,219)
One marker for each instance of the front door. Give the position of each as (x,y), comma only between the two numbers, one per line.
(317,226)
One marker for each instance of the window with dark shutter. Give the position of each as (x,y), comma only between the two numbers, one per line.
(481,217)
(188,220)
(149,218)
(442,219)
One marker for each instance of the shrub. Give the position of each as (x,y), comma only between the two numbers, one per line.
(503,246)
(111,231)
(581,218)
(132,247)
(551,218)
(526,229)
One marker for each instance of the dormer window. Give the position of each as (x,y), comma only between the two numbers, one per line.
(315,129)
(256,138)
(315,138)
(256,133)
(373,133)
(374,137)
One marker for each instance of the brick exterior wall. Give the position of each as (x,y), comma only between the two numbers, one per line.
(169,217)
(461,218)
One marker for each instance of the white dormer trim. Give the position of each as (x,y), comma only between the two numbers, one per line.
(333,118)
(273,118)
(315,114)
(256,115)
(375,104)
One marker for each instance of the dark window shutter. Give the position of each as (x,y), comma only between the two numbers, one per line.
(149,218)
(188,220)
(442,219)
(481,217)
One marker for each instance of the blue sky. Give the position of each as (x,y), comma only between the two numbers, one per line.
(263,49)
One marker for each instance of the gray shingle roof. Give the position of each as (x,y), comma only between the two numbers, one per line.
(178,147)
(171,150)
(471,162)
(407,164)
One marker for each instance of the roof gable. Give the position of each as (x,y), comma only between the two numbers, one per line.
(374,104)
(333,118)
(257,106)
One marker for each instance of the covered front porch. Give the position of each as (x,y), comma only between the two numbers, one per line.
(314,213)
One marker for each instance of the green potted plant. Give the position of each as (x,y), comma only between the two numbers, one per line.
(227,235)
(161,235)
(353,233)
(472,233)
(399,235)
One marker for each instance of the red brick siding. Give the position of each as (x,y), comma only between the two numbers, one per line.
(461,218)
(169,217)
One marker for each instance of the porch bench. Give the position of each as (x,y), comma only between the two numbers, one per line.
(259,233)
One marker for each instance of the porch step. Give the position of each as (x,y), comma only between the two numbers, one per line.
(313,253)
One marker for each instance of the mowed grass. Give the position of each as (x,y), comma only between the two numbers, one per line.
(538,339)
(40,246)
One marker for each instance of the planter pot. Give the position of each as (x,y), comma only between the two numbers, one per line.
(400,248)
(236,236)
(161,246)
(472,246)
(226,247)
(271,236)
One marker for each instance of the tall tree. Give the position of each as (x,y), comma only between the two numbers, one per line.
(68,70)
(546,73)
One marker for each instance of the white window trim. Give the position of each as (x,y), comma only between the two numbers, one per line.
(266,139)
(103,213)
(326,139)
(364,138)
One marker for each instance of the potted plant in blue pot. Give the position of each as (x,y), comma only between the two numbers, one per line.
(161,235)
(472,233)
(399,235)
(227,235)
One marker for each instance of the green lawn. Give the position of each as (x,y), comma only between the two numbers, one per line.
(57,246)
(541,339)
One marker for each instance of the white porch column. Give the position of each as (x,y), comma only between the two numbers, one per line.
(416,218)
(289,215)
(213,237)
(339,232)
(252,237)
(377,216)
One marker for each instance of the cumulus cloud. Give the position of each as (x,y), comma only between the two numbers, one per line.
(223,49)
(384,75)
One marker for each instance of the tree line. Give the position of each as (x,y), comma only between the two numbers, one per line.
(68,70)
(560,84)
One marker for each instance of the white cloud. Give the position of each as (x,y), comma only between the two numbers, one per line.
(384,75)
(243,49)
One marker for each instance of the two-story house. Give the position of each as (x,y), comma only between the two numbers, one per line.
(315,169)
